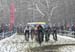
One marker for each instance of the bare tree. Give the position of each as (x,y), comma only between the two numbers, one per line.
(47,10)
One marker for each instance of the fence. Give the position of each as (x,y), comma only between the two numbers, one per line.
(6,34)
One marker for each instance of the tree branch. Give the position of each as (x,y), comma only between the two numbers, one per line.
(39,10)
(53,10)
(47,4)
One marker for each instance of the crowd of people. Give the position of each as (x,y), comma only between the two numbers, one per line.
(5,28)
(39,32)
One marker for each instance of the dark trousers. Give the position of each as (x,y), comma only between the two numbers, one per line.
(26,35)
(47,35)
(55,36)
(40,37)
(32,34)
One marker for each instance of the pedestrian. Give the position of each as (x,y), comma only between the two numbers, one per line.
(54,33)
(62,29)
(73,29)
(32,33)
(47,33)
(40,34)
(26,33)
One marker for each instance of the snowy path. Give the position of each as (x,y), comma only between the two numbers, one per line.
(17,43)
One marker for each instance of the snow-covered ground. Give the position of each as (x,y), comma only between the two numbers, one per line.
(17,43)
